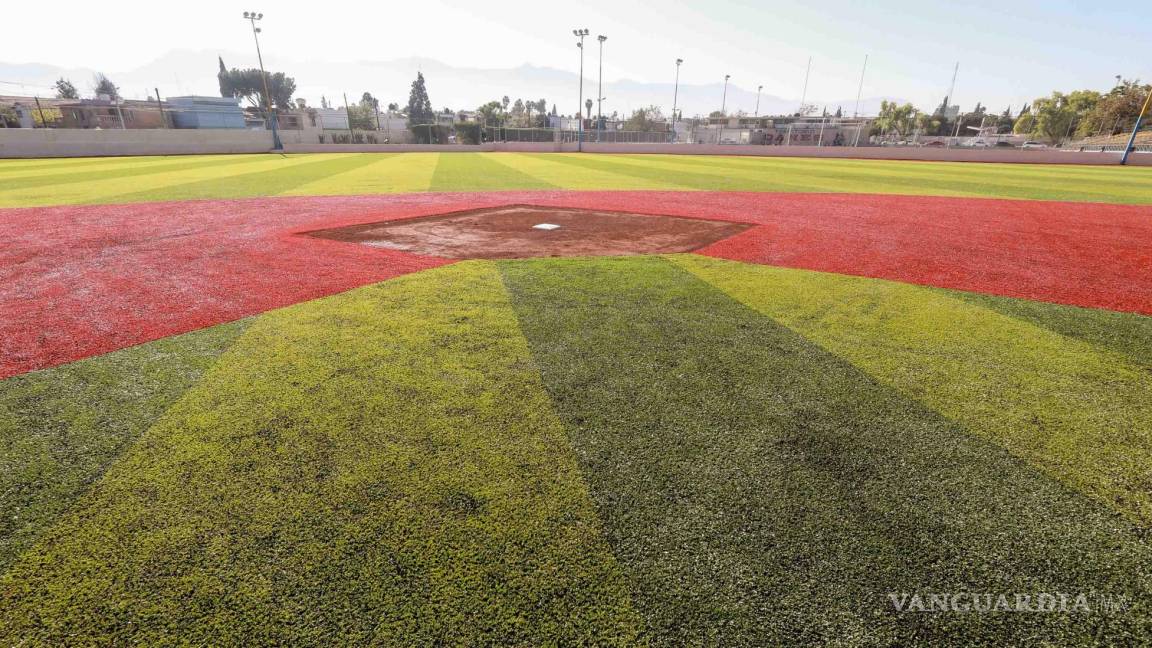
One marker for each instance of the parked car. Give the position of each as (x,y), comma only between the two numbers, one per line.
(1033,145)
(936,144)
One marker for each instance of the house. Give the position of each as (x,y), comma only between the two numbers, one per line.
(205,112)
(106,113)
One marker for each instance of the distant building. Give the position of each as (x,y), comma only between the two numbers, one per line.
(28,111)
(103,113)
(332,118)
(205,112)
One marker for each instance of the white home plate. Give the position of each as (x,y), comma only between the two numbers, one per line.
(546,226)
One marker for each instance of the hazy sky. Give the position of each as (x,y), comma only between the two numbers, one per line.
(1009,52)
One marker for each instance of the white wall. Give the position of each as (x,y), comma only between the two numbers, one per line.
(52,142)
(29,143)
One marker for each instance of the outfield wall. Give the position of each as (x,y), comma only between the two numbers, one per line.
(1010,156)
(44,143)
(77,142)
(1018,156)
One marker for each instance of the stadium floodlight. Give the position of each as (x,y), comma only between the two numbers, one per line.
(675,96)
(580,33)
(724,101)
(1131,145)
(252,17)
(600,90)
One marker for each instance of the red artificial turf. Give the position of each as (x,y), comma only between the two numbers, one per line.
(79,281)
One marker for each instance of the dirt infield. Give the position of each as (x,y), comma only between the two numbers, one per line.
(516,231)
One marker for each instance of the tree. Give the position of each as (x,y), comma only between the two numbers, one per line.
(646,119)
(8,118)
(249,84)
(1025,122)
(588,107)
(1115,112)
(491,113)
(839,112)
(1053,117)
(65,89)
(393,107)
(419,106)
(896,119)
(504,103)
(102,85)
(223,79)
(362,116)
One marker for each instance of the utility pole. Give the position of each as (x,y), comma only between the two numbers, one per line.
(580,33)
(675,96)
(252,17)
(348,116)
(160,105)
(43,122)
(600,90)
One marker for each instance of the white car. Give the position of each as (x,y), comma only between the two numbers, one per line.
(1033,145)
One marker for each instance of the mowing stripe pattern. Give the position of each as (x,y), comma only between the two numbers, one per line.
(60,428)
(377,467)
(224,176)
(760,490)
(1079,412)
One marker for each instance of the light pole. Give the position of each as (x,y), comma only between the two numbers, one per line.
(1136,129)
(859,93)
(252,17)
(804,94)
(600,90)
(580,33)
(675,96)
(758,89)
(724,101)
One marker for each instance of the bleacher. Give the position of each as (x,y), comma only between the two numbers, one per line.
(1113,142)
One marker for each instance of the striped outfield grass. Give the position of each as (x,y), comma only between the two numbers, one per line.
(27,183)
(674,450)
(381,465)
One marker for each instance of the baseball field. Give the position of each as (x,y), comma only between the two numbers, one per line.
(729,401)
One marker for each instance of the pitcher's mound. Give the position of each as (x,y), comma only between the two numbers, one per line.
(515,231)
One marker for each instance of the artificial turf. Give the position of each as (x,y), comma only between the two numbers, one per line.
(380,466)
(1077,411)
(677,450)
(30,183)
(61,428)
(760,490)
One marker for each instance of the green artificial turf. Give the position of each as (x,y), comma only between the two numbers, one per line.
(244,183)
(1128,334)
(1078,411)
(25,183)
(477,172)
(760,490)
(60,428)
(377,467)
